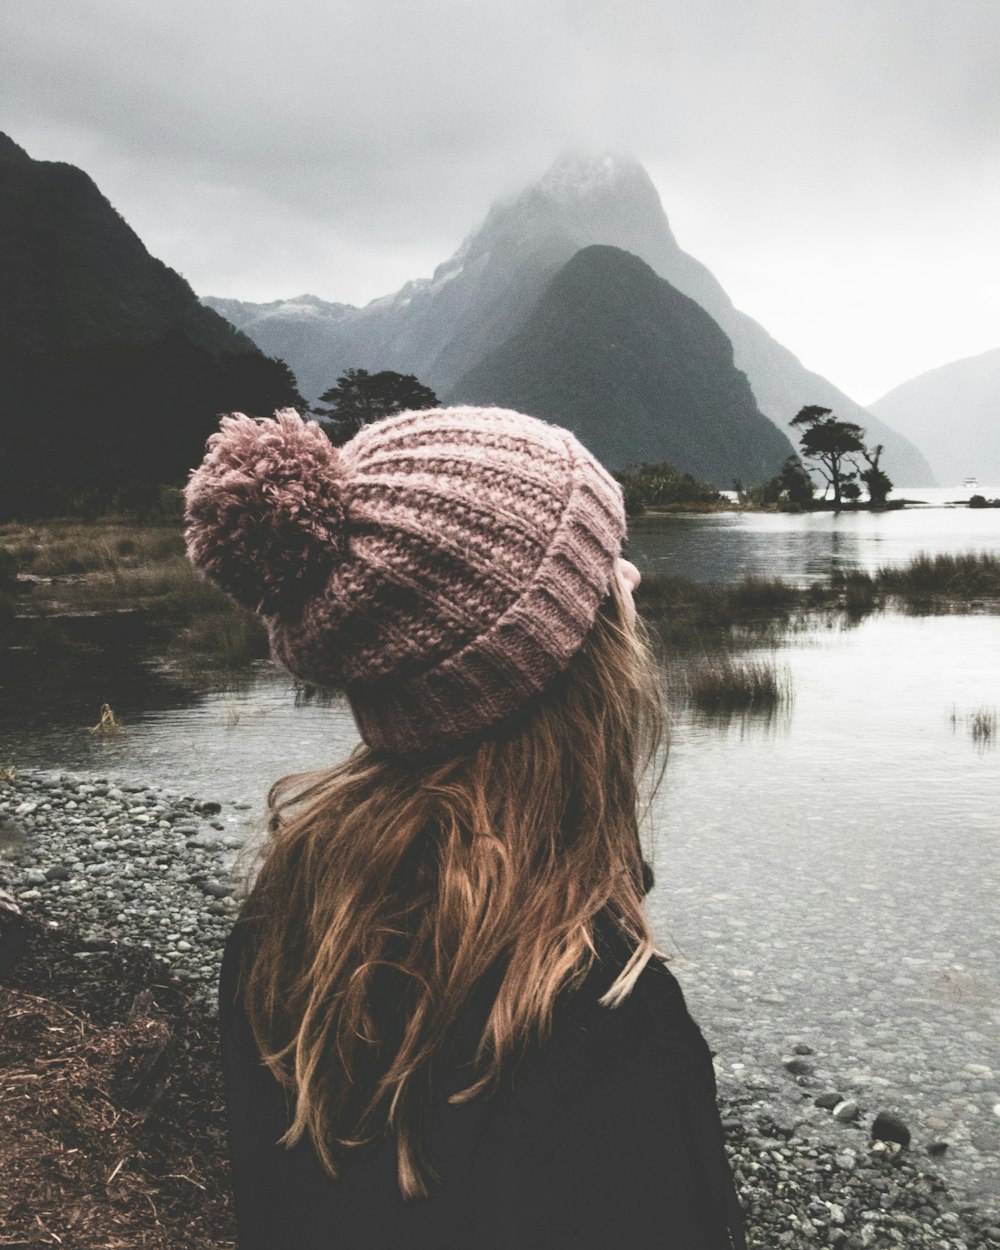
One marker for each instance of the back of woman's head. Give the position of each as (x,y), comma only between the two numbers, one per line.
(475,838)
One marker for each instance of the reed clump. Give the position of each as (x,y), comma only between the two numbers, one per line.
(687,612)
(721,683)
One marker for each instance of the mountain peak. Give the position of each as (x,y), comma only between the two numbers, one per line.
(582,173)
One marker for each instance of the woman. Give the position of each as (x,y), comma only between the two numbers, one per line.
(445,1025)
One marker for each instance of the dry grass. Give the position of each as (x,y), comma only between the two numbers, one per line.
(111,1105)
(108,724)
(58,548)
(116,567)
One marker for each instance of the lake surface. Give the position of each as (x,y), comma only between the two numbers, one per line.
(807,547)
(829,876)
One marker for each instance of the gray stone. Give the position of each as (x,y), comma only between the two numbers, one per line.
(887,1126)
(217,889)
(846,1111)
(829,1100)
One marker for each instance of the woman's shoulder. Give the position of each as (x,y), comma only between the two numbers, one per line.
(653,1015)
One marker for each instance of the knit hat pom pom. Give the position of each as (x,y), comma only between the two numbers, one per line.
(265,516)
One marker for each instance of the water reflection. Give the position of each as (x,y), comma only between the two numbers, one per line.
(804,548)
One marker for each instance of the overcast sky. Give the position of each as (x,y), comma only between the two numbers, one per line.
(833,162)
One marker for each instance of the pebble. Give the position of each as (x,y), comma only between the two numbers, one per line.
(138,865)
(162,883)
(846,1111)
(887,1126)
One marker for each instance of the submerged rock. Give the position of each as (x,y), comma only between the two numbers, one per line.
(887,1126)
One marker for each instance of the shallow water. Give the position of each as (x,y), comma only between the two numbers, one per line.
(833,878)
(808,547)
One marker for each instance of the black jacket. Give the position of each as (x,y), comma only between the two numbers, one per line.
(609,1138)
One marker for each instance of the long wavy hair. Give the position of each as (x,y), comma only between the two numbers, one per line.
(389,889)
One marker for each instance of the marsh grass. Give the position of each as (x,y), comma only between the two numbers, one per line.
(114,567)
(225,638)
(694,616)
(721,683)
(742,612)
(982,725)
(964,577)
(61,548)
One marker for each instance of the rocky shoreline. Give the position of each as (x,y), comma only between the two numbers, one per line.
(123,863)
(134,866)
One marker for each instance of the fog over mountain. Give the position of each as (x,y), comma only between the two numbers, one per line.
(442,326)
(953,413)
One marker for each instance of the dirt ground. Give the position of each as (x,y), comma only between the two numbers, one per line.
(112,1116)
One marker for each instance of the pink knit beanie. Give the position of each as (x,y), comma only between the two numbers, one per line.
(441,568)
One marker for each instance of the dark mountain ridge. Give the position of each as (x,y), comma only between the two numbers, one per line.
(113,371)
(639,370)
(77,275)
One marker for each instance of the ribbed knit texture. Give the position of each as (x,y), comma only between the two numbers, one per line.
(441,568)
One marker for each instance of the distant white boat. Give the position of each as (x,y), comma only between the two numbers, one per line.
(970,482)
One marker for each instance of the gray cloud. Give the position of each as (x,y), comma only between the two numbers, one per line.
(342,147)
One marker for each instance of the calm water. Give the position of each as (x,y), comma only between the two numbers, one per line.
(723,546)
(829,877)
(837,873)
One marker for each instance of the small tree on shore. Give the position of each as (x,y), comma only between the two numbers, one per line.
(829,445)
(359,397)
(875,478)
(651,485)
(792,487)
